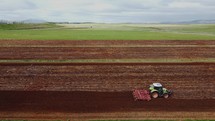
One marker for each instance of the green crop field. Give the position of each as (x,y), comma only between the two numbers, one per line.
(50,31)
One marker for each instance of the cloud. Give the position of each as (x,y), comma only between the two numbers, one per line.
(183,5)
(108,10)
(9,5)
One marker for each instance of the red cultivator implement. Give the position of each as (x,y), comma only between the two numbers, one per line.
(141,94)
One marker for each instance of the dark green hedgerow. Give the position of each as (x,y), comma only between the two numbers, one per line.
(22,26)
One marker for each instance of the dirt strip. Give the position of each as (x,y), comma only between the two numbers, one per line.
(98,105)
(92,49)
(56,53)
(141,115)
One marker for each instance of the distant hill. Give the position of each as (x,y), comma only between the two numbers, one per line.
(192,22)
(35,21)
(199,22)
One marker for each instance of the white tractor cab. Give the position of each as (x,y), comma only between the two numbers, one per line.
(156,90)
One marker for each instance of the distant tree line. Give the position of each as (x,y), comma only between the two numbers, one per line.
(10,22)
(23,22)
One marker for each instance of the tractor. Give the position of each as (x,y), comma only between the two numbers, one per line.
(156,90)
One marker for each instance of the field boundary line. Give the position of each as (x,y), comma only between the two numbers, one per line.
(108,46)
(111,61)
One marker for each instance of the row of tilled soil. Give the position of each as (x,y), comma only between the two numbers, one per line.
(103,42)
(93,102)
(64,53)
(188,81)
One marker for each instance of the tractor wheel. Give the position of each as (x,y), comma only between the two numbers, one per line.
(166,95)
(154,95)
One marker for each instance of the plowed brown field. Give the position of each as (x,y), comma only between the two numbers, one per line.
(103,42)
(62,50)
(103,90)
(189,81)
(63,53)
(98,105)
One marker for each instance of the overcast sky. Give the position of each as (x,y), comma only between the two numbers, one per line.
(108,10)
